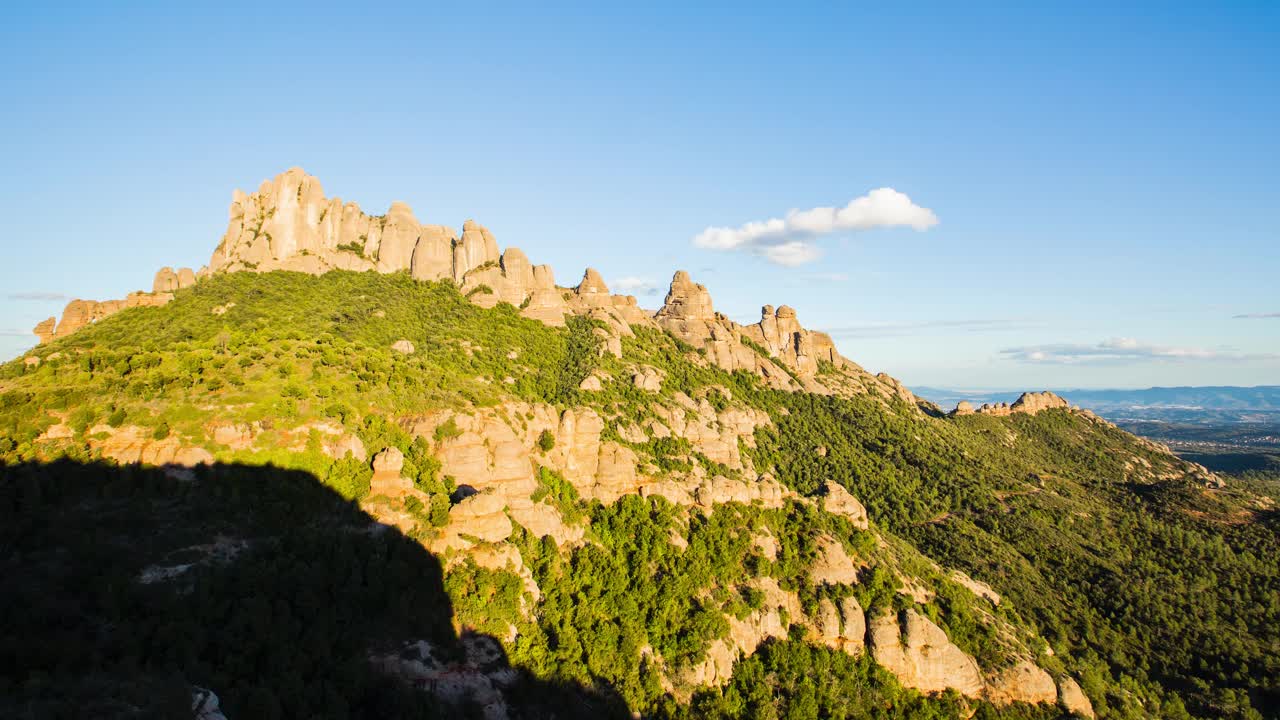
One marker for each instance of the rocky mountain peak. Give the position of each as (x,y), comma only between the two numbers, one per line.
(289,224)
(592,283)
(1028,403)
(687,300)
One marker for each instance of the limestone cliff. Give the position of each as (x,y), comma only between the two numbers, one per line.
(778,348)
(289,224)
(1028,403)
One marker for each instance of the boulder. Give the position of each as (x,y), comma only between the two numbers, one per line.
(837,500)
(45,329)
(166,280)
(686,300)
(853,626)
(647,379)
(1034,402)
(1074,699)
(387,479)
(833,565)
(921,656)
(403,347)
(481,516)
(432,257)
(1022,682)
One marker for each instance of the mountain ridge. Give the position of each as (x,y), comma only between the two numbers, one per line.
(659,503)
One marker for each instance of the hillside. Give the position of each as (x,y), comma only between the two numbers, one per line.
(461,487)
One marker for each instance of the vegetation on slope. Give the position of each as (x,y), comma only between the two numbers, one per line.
(1164,598)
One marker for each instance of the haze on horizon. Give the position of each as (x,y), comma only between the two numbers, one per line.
(975,197)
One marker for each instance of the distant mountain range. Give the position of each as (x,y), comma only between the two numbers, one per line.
(1171,404)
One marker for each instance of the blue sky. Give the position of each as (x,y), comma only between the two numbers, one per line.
(1105,177)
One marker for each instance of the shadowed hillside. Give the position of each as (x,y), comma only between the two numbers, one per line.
(127,590)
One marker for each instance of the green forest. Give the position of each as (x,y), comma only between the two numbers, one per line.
(1161,596)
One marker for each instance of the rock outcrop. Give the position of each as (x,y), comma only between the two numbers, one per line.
(80,313)
(838,500)
(780,351)
(131,444)
(1023,681)
(387,479)
(289,224)
(168,280)
(1029,403)
(1074,699)
(919,653)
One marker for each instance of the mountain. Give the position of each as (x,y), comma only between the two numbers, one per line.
(1173,404)
(360,466)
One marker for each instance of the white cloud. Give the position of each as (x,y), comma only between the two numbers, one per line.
(783,240)
(1257,316)
(790,254)
(635,285)
(1121,351)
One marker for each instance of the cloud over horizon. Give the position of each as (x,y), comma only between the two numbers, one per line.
(48,296)
(1120,351)
(787,240)
(635,286)
(899,329)
(1256,316)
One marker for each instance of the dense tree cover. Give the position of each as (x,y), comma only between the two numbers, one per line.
(1163,597)
(1158,590)
(294,348)
(635,604)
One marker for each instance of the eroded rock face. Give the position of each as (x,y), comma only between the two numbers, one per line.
(1023,682)
(168,280)
(777,349)
(1029,403)
(46,329)
(838,500)
(745,635)
(289,224)
(80,313)
(919,653)
(1074,699)
(132,444)
(387,479)
(1033,402)
(833,565)
(481,516)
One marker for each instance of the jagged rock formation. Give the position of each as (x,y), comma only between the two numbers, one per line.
(79,313)
(784,354)
(387,480)
(168,280)
(289,224)
(1028,403)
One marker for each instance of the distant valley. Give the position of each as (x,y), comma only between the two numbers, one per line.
(1225,428)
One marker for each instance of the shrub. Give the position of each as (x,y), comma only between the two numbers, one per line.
(546,441)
